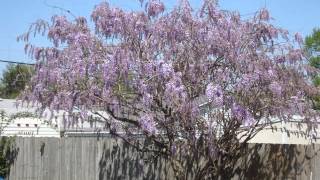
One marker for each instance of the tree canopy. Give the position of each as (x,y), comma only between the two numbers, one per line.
(312,46)
(14,80)
(197,84)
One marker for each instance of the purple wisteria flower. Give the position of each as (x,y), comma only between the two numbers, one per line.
(165,69)
(298,38)
(215,94)
(147,99)
(175,90)
(247,81)
(295,55)
(271,73)
(242,115)
(155,7)
(275,88)
(264,15)
(147,123)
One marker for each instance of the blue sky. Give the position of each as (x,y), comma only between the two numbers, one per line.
(16,16)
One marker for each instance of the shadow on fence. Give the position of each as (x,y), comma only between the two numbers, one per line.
(275,161)
(121,161)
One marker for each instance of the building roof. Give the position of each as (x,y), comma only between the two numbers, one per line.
(10,107)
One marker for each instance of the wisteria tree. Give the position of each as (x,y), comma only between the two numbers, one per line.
(197,84)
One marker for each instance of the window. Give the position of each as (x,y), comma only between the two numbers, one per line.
(18,125)
(36,125)
(27,125)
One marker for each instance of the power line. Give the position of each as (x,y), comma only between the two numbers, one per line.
(16,62)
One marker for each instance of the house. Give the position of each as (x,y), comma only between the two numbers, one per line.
(29,127)
(23,121)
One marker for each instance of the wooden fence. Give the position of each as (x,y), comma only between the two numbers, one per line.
(89,158)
